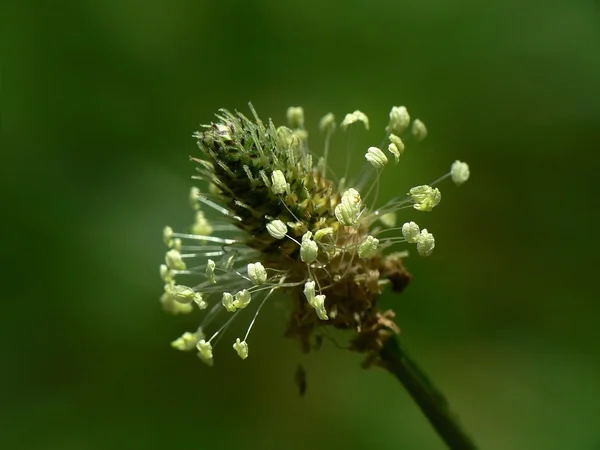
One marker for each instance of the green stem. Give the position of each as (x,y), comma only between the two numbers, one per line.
(433,404)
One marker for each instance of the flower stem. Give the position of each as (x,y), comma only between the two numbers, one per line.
(433,404)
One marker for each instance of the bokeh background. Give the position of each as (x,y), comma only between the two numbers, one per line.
(99,100)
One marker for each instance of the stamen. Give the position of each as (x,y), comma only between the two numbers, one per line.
(218,208)
(206,238)
(257,311)
(224,326)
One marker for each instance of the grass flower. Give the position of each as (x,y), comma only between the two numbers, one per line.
(288,231)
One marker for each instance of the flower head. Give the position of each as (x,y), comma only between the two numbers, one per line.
(283,226)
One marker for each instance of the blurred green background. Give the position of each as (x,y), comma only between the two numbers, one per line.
(99,100)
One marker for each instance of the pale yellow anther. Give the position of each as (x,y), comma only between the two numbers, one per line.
(257,273)
(396,146)
(368,247)
(168,236)
(182,294)
(171,306)
(425,243)
(242,299)
(349,209)
(227,302)
(241,347)
(301,134)
(410,231)
(327,123)
(319,306)
(210,271)
(356,116)
(309,291)
(320,234)
(174,261)
(308,249)
(418,130)
(425,197)
(295,116)
(394,151)
(205,351)
(176,244)
(187,341)
(279,184)
(194,198)
(459,172)
(277,229)
(376,157)
(202,226)
(286,138)
(167,275)
(388,219)
(399,120)
(199,300)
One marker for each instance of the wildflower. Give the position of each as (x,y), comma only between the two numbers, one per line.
(271,225)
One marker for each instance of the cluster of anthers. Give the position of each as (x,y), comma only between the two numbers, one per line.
(285,226)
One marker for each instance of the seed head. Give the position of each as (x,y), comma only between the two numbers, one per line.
(286,232)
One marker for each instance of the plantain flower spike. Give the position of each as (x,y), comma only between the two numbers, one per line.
(270,225)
